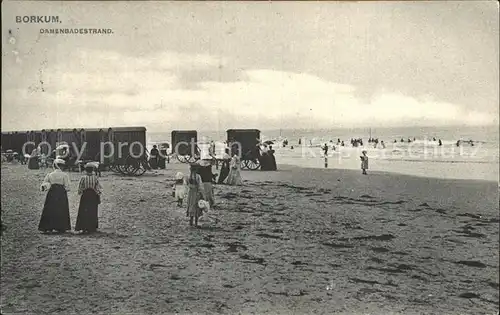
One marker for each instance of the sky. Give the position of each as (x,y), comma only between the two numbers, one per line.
(265,65)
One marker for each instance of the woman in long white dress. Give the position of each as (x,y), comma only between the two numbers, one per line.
(234,177)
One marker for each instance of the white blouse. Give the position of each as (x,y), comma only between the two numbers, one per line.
(57,177)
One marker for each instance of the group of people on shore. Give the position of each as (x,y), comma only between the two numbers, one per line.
(197,187)
(55,214)
(266,158)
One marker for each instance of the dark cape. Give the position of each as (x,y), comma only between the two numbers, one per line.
(55,214)
(206,173)
(87,212)
(264,162)
(272,161)
(224,172)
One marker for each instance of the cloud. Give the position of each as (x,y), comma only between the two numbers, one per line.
(108,89)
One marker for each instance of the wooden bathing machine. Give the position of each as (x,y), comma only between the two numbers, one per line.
(185,136)
(119,140)
(248,139)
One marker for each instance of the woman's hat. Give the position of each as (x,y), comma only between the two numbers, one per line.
(59,162)
(204,163)
(203,204)
(90,165)
(179,176)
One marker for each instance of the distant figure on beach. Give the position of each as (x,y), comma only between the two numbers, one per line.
(163,158)
(264,158)
(440,142)
(224,171)
(55,214)
(458,143)
(195,194)
(33,160)
(382,144)
(272,160)
(325,149)
(22,158)
(90,191)
(180,188)
(300,141)
(234,177)
(211,149)
(153,158)
(364,162)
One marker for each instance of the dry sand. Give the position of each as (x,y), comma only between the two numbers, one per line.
(301,241)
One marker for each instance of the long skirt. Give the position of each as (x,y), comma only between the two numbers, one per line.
(234,177)
(33,163)
(87,212)
(209,193)
(224,172)
(272,162)
(55,214)
(194,195)
(153,162)
(264,162)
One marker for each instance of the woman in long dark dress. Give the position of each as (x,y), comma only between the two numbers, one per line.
(55,214)
(224,171)
(272,160)
(33,160)
(90,190)
(205,172)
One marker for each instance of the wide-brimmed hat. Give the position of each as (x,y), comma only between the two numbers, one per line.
(204,162)
(59,162)
(90,165)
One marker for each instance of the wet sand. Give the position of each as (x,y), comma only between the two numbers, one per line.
(302,241)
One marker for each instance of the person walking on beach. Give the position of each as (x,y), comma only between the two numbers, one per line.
(90,191)
(180,188)
(195,194)
(55,214)
(205,171)
(234,177)
(364,162)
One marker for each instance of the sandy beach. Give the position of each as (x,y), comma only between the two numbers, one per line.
(296,241)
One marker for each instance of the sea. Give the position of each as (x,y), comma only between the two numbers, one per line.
(476,157)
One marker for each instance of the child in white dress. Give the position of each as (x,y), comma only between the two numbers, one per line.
(180,188)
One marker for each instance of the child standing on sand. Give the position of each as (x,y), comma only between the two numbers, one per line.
(180,188)
(364,162)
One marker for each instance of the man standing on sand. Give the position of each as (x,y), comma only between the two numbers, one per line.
(364,162)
